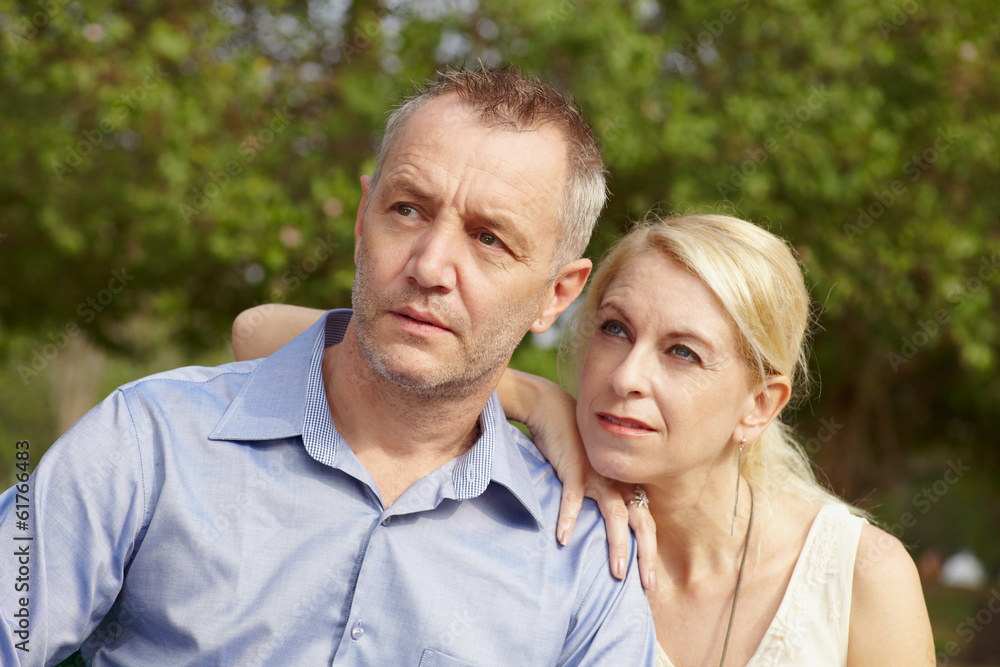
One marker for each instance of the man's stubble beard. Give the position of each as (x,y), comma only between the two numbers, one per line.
(481,354)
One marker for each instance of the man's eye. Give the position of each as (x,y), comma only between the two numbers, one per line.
(488,239)
(406,210)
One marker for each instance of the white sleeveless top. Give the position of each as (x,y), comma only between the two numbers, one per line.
(811,626)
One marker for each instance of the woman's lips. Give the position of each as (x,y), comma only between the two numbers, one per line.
(623,425)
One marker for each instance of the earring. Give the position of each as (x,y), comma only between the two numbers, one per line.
(736,505)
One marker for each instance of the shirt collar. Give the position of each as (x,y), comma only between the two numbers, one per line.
(275,403)
(272,402)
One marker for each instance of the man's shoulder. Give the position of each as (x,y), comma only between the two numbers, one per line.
(526,447)
(195,375)
(548,489)
(190,384)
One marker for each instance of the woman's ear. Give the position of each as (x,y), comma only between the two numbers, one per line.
(764,406)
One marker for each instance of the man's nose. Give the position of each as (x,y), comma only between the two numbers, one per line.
(435,255)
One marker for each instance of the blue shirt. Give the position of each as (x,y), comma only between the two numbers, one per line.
(215,516)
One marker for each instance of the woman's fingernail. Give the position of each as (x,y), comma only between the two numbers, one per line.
(620,568)
(651,581)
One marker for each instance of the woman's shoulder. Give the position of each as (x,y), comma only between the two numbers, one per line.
(883,563)
(887,622)
(888,612)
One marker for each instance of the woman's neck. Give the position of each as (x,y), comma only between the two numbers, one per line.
(693,522)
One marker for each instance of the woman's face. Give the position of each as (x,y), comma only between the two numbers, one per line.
(664,384)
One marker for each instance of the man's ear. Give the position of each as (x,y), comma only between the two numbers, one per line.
(567,286)
(359,221)
(763,406)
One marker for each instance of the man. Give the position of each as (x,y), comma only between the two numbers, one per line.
(357,498)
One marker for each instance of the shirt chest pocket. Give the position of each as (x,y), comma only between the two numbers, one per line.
(432,658)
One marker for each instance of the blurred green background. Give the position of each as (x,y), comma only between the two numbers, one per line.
(166,165)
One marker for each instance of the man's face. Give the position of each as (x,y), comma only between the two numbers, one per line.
(454,252)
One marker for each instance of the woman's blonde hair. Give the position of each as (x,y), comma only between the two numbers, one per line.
(759,283)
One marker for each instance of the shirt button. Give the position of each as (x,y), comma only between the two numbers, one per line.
(356,632)
(385,521)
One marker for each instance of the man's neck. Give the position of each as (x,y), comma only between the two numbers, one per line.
(398,435)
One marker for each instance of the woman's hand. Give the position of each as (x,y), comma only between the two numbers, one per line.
(544,407)
(549,412)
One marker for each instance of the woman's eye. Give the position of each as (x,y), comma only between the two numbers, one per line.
(613,328)
(406,210)
(684,352)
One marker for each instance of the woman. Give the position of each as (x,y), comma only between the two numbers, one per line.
(690,341)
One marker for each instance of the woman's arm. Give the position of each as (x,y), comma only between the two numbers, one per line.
(262,330)
(889,622)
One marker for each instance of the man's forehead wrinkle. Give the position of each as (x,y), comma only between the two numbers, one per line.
(510,180)
(408,172)
(431,138)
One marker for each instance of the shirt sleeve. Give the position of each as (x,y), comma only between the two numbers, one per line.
(68,537)
(613,625)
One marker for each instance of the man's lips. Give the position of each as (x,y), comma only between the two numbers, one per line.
(420,318)
(623,425)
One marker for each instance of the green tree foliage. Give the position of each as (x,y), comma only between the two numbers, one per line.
(182,161)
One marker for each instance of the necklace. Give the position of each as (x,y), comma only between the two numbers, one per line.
(739,580)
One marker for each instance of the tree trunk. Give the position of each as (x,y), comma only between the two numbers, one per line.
(75,377)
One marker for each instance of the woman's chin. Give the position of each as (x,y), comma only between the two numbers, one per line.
(620,468)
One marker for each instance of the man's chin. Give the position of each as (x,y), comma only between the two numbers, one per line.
(427,384)
(436,370)
(430,380)
(413,374)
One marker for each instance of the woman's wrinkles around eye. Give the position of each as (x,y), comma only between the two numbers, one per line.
(613,328)
(685,353)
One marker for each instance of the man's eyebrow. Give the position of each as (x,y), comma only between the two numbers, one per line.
(407,186)
(513,235)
